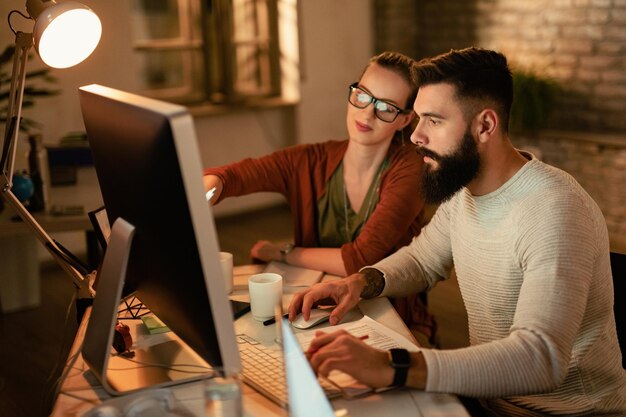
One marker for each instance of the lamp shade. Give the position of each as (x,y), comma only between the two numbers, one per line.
(66,33)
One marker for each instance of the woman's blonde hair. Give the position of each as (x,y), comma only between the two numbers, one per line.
(405,67)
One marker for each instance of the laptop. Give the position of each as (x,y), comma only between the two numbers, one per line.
(306,396)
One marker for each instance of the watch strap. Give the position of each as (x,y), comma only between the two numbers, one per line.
(400,362)
(284,251)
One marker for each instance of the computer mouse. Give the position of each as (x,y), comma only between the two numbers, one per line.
(317,316)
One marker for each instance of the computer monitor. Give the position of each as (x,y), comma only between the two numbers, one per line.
(148,165)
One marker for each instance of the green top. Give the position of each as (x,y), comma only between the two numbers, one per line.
(337,222)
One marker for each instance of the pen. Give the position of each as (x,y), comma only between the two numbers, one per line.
(210,193)
(273,320)
(312,351)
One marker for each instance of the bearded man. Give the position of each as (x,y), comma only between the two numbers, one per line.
(531,253)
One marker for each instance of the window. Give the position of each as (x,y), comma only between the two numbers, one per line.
(216,51)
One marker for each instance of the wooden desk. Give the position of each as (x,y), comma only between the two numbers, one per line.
(80,391)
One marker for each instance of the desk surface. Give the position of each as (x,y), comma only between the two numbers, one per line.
(80,391)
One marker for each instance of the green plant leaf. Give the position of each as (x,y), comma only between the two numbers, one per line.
(7,54)
(37,92)
(533,101)
(38,73)
(31,93)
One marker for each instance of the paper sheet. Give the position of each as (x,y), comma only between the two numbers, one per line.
(379,337)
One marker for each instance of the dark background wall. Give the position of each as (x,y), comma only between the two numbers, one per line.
(581,44)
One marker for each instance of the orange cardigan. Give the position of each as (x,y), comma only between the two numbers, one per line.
(301,174)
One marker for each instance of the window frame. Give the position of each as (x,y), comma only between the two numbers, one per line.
(217,45)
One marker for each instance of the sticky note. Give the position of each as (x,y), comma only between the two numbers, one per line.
(154,325)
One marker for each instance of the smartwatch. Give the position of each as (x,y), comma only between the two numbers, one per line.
(400,362)
(284,251)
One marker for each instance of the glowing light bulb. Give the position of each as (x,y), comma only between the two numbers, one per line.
(66,34)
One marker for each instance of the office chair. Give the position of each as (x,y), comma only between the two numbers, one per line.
(618,267)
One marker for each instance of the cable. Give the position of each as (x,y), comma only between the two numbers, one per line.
(9,19)
(68,257)
(71,393)
(68,367)
(202,369)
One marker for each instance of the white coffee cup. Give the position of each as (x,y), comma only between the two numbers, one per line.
(226,261)
(266,292)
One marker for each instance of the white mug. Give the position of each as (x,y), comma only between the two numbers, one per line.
(226,261)
(266,292)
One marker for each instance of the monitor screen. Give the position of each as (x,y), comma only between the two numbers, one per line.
(148,165)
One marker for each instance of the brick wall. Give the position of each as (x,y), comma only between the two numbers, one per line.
(581,44)
(395,27)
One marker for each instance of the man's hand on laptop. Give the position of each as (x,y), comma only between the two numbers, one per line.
(345,293)
(344,352)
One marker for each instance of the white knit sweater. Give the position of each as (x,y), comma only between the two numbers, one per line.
(532,261)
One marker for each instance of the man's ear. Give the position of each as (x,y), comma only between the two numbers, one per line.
(485,124)
(408,118)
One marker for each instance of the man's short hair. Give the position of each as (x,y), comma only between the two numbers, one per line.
(478,75)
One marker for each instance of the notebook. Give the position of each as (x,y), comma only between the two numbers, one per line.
(294,276)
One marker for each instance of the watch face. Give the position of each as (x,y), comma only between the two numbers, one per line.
(400,358)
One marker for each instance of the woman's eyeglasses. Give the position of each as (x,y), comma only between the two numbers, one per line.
(383,110)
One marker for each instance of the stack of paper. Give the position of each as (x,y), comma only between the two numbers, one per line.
(378,336)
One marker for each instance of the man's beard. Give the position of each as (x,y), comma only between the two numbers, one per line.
(454,171)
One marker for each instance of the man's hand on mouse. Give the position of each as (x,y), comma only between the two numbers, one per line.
(346,293)
(318,316)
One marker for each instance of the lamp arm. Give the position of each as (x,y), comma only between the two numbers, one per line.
(49,243)
(23,42)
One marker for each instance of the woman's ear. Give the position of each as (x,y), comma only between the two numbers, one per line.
(486,123)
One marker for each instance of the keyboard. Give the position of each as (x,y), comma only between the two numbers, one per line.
(264,371)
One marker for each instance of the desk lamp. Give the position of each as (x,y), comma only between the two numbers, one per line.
(64,35)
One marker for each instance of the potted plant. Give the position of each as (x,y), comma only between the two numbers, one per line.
(533,101)
(31,93)
(37,162)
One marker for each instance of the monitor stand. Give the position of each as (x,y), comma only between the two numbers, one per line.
(174,362)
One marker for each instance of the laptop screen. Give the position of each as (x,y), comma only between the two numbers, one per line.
(306,397)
